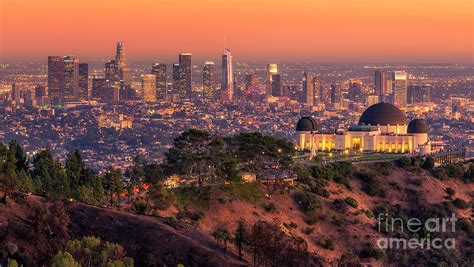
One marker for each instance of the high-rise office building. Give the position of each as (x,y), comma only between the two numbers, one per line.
(276,85)
(149,87)
(159,70)
(71,78)
(307,96)
(252,83)
(208,80)
(40,91)
(97,85)
(271,70)
(419,94)
(379,82)
(83,81)
(16,93)
(318,87)
(110,71)
(176,78)
(186,77)
(106,91)
(120,56)
(55,76)
(399,87)
(355,90)
(227,83)
(336,93)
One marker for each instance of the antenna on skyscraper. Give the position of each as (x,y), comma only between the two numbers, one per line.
(225,42)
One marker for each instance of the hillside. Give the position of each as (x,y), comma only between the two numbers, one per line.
(150,241)
(352,231)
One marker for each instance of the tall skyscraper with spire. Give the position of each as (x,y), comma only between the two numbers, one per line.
(122,72)
(227,84)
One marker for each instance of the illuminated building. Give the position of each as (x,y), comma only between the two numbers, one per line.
(208,80)
(71,78)
(399,88)
(83,81)
(252,83)
(185,74)
(308,94)
(382,128)
(111,71)
(176,78)
(336,93)
(227,83)
(55,76)
(276,85)
(149,87)
(16,93)
(418,94)
(159,70)
(271,70)
(355,90)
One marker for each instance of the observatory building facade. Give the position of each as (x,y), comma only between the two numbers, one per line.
(382,128)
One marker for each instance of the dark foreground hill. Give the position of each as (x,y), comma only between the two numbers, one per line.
(150,241)
(29,234)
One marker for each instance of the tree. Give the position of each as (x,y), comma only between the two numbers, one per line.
(8,179)
(241,236)
(113,184)
(158,197)
(92,251)
(49,176)
(18,155)
(64,259)
(222,234)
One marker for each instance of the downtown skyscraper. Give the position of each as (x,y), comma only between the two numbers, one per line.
(271,70)
(159,70)
(227,83)
(63,78)
(208,80)
(83,93)
(149,88)
(399,87)
(308,94)
(185,84)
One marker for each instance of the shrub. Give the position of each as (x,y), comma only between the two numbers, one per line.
(368,213)
(405,162)
(307,202)
(454,170)
(450,191)
(469,174)
(371,252)
(293,225)
(385,168)
(428,164)
(340,205)
(269,207)
(328,244)
(460,203)
(352,202)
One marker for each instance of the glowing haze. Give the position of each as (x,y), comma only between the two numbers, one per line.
(278,30)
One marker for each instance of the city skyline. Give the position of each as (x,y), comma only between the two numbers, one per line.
(407,31)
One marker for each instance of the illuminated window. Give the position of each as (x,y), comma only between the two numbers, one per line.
(356,143)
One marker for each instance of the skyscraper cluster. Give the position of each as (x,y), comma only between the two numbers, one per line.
(391,87)
(67,78)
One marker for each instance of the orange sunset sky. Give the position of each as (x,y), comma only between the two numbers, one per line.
(408,31)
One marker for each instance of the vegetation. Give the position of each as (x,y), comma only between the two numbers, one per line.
(91,251)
